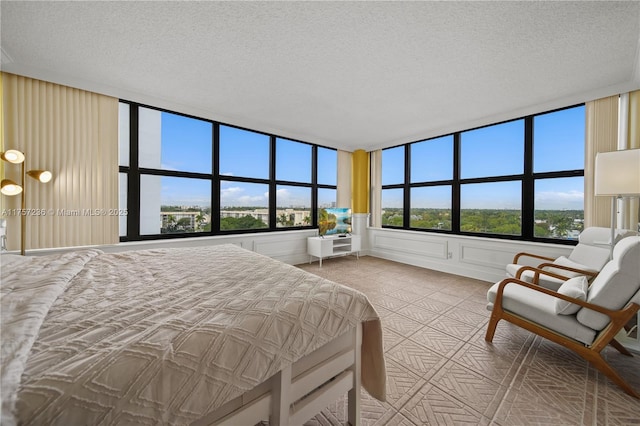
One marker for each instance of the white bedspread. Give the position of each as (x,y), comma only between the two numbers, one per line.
(169,335)
(28,288)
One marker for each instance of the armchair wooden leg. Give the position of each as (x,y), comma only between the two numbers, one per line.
(598,362)
(619,347)
(491,327)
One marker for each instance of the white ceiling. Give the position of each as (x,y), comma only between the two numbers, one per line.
(350,75)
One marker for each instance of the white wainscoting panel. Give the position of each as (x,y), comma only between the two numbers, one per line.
(411,246)
(486,255)
(287,249)
(474,257)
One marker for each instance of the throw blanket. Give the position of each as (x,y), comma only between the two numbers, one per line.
(170,335)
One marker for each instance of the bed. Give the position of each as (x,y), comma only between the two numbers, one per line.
(206,335)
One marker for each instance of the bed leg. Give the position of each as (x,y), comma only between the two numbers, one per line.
(281,400)
(353,398)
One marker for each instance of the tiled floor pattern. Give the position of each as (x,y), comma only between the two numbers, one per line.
(440,370)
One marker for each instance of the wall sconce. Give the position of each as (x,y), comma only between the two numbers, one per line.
(9,187)
(617,175)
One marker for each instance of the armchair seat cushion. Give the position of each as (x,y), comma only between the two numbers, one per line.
(540,308)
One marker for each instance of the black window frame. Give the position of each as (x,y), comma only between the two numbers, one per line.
(527,179)
(133,173)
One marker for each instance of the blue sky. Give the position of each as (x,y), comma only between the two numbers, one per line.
(496,151)
(242,153)
(490,151)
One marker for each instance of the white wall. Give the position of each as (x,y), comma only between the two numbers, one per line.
(475,257)
(287,246)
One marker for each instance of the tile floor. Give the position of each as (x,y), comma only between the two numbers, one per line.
(440,370)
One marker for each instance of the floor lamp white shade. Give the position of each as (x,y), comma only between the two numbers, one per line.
(617,175)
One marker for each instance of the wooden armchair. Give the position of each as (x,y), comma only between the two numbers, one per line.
(584,318)
(587,258)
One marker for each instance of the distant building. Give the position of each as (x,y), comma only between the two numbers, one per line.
(167,217)
(293,215)
(260,214)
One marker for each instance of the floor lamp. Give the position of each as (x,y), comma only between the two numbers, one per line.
(9,187)
(617,175)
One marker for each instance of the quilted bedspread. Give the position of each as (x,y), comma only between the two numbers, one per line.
(169,335)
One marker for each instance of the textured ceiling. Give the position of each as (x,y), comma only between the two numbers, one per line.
(351,75)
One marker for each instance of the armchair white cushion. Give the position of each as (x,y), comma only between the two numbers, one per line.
(618,282)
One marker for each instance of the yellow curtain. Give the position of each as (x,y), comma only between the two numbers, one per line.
(74,134)
(360,181)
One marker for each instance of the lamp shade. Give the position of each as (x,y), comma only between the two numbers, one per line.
(12,156)
(9,187)
(43,176)
(617,173)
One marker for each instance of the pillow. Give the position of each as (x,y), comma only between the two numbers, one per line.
(577,288)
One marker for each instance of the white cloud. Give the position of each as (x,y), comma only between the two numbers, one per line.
(231,191)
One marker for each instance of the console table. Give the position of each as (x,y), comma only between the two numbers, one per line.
(333,245)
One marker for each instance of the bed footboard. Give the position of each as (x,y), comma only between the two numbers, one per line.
(300,391)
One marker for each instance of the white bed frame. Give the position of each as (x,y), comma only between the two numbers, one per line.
(300,391)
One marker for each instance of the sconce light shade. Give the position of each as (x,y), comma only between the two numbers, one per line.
(12,156)
(9,187)
(617,173)
(43,176)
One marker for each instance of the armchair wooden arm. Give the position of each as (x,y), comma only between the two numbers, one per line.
(588,273)
(535,256)
(537,270)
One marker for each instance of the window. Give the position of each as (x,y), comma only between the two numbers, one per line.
(519,179)
(432,160)
(244,205)
(430,193)
(559,207)
(393,165)
(173,142)
(181,204)
(293,204)
(293,161)
(558,164)
(491,208)
(392,207)
(493,151)
(559,140)
(188,176)
(431,207)
(243,153)
(327,166)
(327,198)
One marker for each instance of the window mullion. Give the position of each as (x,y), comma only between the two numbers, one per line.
(215,181)
(133,178)
(528,196)
(455,187)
